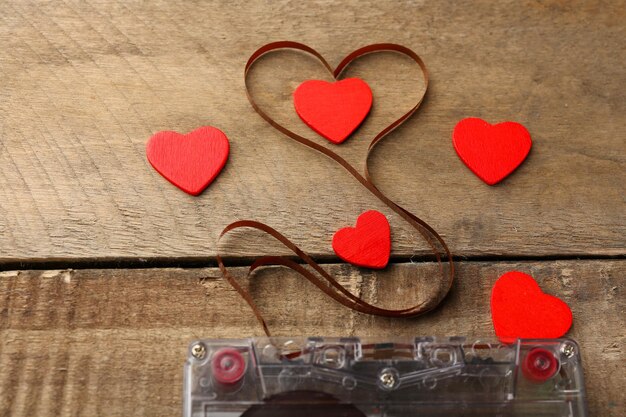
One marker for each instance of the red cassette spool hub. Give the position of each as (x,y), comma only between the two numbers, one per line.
(540,365)
(228,366)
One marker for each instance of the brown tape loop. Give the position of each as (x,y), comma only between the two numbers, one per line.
(325,281)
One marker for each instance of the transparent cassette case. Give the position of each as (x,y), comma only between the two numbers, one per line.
(352,377)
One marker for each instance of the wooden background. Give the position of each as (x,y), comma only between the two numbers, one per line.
(108,270)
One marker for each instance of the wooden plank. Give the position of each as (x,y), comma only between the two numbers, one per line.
(84,84)
(113,342)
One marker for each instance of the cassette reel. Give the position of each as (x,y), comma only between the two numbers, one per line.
(352,377)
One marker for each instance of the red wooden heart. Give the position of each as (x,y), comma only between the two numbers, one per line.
(492,152)
(192,161)
(333,109)
(368,244)
(519,309)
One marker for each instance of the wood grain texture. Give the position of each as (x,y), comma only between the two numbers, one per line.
(85,84)
(113,342)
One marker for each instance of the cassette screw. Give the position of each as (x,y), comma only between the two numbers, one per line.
(198,351)
(568,349)
(388,380)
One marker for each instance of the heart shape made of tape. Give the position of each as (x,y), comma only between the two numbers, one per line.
(321,278)
(333,109)
(336,73)
(520,310)
(492,152)
(192,161)
(368,244)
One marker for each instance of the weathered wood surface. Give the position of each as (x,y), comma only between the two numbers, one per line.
(112,342)
(84,84)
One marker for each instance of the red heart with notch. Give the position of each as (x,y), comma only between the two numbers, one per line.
(368,244)
(519,309)
(333,109)
(492,152)
(192,161)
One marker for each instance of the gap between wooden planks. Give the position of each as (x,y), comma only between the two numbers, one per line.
(85,342)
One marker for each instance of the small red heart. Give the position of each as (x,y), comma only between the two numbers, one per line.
(519,309)
(192,161)
(333,109)
(368,244)
(492,152)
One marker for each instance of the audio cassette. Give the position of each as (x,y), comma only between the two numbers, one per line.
(353,377)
